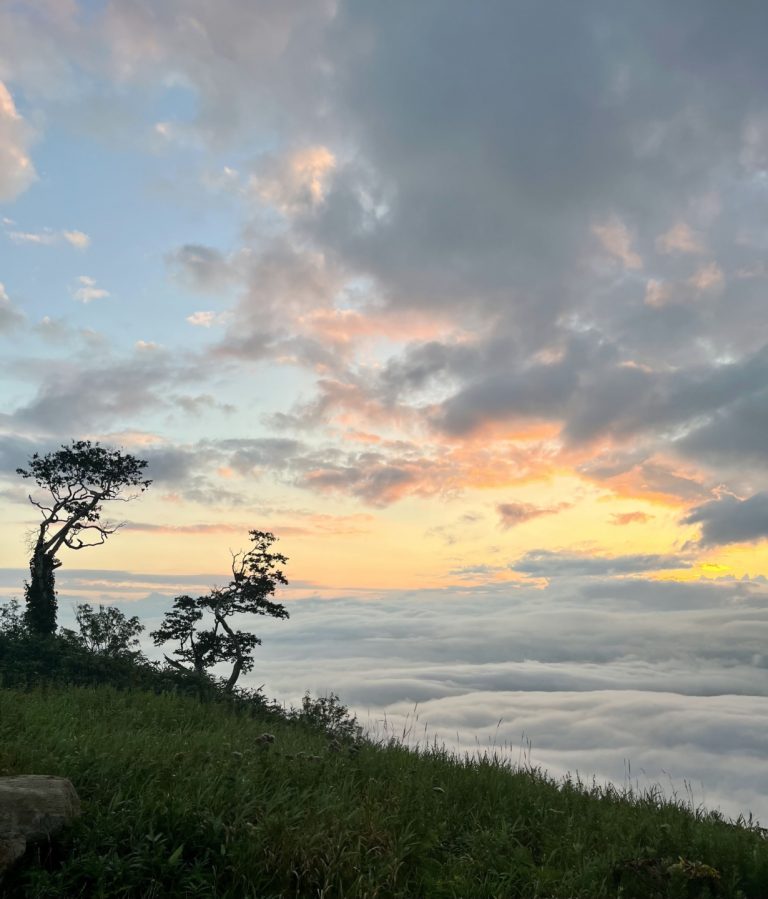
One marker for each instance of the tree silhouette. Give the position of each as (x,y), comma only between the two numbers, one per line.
(255,577)
(79,479)
(107,632)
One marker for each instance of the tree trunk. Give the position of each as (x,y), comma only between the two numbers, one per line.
(239,660)
(40,615)
(238,667)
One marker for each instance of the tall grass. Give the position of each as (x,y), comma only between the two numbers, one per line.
(182,799)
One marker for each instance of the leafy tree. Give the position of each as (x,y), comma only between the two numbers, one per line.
(201,627)
(79,479)
(106,632)
(12,619)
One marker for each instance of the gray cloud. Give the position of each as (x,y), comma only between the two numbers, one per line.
(200,268)
(15,450)
(595,392)
(734,435)
(513,514)
(517,211)
(546,563)
(580,274)
(245,60)
(731,520)
(97,390)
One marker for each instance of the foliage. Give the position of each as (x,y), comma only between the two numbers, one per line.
(29,660)
(12,624)
(255,577)
(329,715)
(40,592)
(78,479)
(107,632)
(76,475)
(183,799)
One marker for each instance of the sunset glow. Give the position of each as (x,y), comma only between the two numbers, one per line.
(461,301)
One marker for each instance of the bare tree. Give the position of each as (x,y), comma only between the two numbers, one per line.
(78,480)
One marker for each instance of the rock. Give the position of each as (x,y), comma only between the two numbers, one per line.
(33,807)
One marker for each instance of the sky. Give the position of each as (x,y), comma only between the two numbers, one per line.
(464,302)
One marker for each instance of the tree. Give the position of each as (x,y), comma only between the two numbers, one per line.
(201,627)
(106,632)
(79,479)
(12,620)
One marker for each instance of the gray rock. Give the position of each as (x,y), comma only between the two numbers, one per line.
(33,807)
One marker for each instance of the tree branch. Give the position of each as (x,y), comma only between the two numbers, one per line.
(177,665)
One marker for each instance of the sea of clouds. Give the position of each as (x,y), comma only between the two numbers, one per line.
(627,680)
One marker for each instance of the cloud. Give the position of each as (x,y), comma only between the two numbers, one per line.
(731,520)
(615,238)
(77,239)
(315,525)
(88,291)
(658,293)
(680,239)
(498,246)
(206,318)
(243,60)
(295,183)
(48,237)
(94,392)
(546,563)
(194,529)
(591,677)
(594,392)
(44,238)
(709,277)
(17,172)
(513,514)
(624,518)
(10,317)
(640,475)
(735,433)
(200,268)
(508,228)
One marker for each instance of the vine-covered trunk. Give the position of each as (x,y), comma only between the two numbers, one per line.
(40,615)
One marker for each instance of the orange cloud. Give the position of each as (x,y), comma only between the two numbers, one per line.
(346,325)
(616,239)
(680,239)
(659,482)
(623,518)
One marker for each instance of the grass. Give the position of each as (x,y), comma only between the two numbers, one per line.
(180,799)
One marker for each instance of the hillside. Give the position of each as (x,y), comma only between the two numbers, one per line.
(183,799)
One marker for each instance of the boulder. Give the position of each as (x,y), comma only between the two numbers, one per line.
(33,807)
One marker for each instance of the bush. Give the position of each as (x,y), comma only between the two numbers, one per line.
(329,715)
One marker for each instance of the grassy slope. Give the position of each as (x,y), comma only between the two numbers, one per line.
(180,800)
